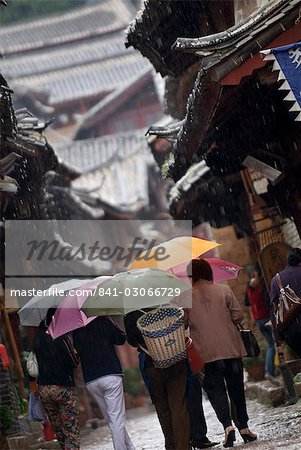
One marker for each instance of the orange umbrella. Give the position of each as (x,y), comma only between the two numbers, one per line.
(173,252)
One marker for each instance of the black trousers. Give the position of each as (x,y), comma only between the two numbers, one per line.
(292,335)
(222,377)
(198,427)
(168,393)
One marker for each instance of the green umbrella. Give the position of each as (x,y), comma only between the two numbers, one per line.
(133,290)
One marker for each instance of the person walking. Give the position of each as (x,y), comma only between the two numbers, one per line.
(198,426)
(167,388)
(57,361)
(102,374)
(290,276)
(258,299)
(212,319)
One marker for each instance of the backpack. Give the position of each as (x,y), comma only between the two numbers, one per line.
(287,307)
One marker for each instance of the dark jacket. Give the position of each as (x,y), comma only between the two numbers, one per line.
(95,344)
(56,366)
(134,336)
(291,276)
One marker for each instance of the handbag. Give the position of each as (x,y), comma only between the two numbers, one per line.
(195,359)
(32,365)
(250,341)
(36,410)
(287,307)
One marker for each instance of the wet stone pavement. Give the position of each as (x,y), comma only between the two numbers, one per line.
(277,428)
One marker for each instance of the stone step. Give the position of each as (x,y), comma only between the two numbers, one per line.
(46,445)
(268,394)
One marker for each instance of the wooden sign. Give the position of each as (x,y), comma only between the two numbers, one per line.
(273,259)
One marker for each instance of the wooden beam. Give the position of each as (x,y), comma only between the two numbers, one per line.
(289,36)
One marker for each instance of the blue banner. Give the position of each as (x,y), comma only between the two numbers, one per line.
(289,59)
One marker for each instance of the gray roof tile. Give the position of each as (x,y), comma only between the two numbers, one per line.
(89,154)
(88,80)
(80,23)
(113,167)
(62,58)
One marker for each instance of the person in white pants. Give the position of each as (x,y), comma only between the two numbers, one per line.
(107,391)
(102,373)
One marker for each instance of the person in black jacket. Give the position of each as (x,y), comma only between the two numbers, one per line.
(56,361)
(102,373)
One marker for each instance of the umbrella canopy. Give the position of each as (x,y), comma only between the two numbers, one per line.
(222,270)
(36,308)
(173,252)
(68,316)
(133,290)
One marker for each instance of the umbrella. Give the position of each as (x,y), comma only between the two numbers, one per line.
(68,316)
(36,308)
(222,270)
(133,290)
(173,252)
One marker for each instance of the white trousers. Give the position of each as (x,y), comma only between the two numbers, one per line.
(108,393)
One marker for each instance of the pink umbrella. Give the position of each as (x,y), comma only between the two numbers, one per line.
(68,316)
(222,270)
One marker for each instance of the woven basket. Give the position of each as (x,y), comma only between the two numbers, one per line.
(164,335)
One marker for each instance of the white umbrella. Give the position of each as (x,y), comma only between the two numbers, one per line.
(132,290)
(36,308)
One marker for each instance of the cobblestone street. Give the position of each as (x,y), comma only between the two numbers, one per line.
(277,428)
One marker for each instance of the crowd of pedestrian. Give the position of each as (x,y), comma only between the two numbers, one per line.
(175,391)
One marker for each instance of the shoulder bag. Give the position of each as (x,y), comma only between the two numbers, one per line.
(32,365)
(250,341)
(287,307)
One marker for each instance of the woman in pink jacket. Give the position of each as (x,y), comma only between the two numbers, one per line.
(212,320)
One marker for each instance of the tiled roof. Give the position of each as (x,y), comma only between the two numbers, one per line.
(114,168)
(89,154)
(89,21)
(61,58)
(221,54)
(88,80)
(111,102)
(240,33)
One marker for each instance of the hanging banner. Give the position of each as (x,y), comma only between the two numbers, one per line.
(287,60)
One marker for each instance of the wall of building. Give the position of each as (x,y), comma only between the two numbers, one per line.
(291,234)
(238,251)
(132,119)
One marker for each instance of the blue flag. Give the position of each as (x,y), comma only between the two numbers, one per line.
(288,62)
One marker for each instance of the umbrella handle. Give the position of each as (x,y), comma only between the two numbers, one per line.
(114,323)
